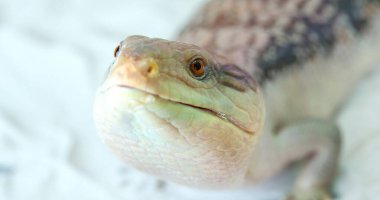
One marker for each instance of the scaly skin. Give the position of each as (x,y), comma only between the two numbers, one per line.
(213,129)
(191,139)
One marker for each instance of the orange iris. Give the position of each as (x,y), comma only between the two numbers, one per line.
(197,67)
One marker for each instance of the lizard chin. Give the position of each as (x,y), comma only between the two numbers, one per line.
(172,140)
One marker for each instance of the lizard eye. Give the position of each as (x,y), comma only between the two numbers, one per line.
(197,67)
(116,51)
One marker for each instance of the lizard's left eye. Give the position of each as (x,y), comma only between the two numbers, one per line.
(197,67)
(116,51)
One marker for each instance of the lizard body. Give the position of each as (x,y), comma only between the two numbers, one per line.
(251,87)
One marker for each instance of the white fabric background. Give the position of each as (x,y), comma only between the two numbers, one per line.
(53,55)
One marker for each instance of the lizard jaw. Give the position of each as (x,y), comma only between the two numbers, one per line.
(220,115)
(198,148)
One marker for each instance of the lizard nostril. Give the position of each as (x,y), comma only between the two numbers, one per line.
(150,69)
(132,67)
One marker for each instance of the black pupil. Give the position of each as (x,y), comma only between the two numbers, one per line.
(197,65)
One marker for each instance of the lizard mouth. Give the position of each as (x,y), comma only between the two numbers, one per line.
(170,100)
(220,115)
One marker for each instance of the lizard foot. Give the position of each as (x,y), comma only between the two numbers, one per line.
(315,194)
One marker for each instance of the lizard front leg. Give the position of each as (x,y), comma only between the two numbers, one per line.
(317,144)
(314,142)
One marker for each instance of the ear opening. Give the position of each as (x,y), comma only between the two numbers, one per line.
(232,76)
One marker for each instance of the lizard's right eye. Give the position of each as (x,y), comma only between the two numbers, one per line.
(116,51)
(197,67)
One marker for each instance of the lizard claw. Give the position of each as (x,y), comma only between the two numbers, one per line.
(314,194)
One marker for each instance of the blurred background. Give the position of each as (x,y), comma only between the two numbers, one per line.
(53,55)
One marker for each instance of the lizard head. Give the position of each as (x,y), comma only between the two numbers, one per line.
(173,110)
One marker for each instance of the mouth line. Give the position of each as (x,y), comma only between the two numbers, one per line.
(220,115)
(158,96)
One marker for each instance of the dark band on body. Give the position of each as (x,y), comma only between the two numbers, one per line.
(320,37)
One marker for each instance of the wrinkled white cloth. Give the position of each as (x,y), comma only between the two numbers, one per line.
(53,55)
